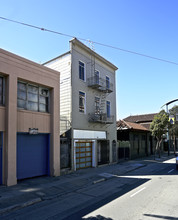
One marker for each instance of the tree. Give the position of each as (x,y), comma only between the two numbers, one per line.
(174,127)
(158,128)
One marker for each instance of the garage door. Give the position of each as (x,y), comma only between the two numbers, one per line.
(1,157)
(83,154)
(32,155)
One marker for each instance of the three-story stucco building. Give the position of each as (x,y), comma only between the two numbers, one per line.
(87,107)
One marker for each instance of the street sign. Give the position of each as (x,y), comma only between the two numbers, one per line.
(171,119)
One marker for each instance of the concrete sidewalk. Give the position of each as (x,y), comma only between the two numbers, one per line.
(36,190)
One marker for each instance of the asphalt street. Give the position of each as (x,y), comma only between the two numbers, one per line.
(146,192)
(155,199)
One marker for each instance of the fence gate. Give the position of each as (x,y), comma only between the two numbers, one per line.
(65,153)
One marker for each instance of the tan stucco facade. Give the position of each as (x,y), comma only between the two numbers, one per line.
(13,120)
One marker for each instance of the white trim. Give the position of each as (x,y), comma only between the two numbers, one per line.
(89,134)
(93,153)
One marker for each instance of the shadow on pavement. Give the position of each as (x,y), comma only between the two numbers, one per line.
(161,216)
(83,212)
(98,217)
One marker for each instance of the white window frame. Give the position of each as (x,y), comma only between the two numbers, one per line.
(84,112)
(107,101)
(108,81)
(26,100)
(99,105)
(83,80)
(98,75)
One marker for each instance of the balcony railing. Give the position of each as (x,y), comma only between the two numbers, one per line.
(100,118)
(100,84)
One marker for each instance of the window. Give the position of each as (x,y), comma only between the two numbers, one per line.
(97,105)
(96,76)
(2,92)
(81,71)
(108,109)
(33,98)
(107,82)
(81,102)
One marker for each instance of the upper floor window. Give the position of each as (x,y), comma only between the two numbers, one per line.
(2,91)
(96,76)
(97,105)
(81,102)
(108,109)
(32,97)
(107,82)
(81,71)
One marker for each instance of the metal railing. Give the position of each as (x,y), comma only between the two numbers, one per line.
(101,118)
(100,84)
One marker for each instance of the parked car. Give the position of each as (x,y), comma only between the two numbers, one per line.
(177,162)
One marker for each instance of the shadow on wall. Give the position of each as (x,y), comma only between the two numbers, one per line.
(98,217)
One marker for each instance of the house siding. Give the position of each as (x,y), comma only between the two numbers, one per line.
(63,65)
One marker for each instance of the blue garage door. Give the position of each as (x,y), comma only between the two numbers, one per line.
(1,157)
(32,155)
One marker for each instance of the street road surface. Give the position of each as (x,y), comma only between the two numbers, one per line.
(150,192)
(155,199)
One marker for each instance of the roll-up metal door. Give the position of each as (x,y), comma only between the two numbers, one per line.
(32,155)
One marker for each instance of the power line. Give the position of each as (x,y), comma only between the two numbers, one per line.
(94,42)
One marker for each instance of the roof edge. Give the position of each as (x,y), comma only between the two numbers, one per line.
(79,43)
(55,58)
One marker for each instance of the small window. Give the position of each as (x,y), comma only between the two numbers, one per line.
(96,76)
(107,82)
(43,100)
(2,92)
(108,109)
(33,98)
(81,102)
(81,71)
(97,105)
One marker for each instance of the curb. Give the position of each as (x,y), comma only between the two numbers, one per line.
(20,205)
(99,181)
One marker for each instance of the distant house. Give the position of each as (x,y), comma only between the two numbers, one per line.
(133,140)
(144,120)
(134,136)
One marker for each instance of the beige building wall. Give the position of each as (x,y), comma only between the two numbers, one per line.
(13,120)
(105,68)
(70,85)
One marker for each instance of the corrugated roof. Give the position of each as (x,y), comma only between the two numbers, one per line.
(122,125)
(140,118)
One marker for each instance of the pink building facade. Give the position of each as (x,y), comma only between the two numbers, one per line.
(29,119)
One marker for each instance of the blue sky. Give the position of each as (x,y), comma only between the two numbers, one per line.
(143,26)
